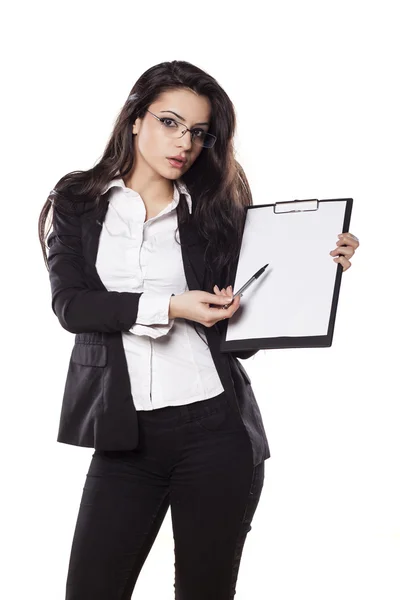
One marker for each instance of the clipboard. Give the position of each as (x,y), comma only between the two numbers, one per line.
(293,304)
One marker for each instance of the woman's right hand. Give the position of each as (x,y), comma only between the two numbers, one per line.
(195,306)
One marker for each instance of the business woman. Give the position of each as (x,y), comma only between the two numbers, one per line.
(141,256)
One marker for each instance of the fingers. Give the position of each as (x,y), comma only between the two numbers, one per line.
(218,298)
(221,312)
(235,301)
(346,264)
(346,246)
(347,251)
(227,291)
(349,239)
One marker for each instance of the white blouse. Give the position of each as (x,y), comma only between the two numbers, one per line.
(168,363)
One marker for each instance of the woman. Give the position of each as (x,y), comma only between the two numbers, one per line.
(141,259)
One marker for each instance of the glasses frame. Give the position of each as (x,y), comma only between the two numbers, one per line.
(186,129)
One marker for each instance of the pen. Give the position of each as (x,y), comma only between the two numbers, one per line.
(247,284)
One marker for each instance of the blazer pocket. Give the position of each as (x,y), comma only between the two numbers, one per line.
(90,355)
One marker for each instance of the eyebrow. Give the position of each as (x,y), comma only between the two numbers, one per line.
(179,117)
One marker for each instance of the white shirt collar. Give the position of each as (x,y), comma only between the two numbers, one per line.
(179,187)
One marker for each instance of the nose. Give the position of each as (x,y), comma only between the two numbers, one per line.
(186,140)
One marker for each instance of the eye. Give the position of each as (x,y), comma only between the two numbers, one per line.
(200,133)
(164,122)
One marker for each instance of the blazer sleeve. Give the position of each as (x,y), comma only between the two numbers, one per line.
(79,308)
(244,353)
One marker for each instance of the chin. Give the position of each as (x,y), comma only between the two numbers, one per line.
(172,176)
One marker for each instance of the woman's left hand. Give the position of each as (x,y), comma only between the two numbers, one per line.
(347,244)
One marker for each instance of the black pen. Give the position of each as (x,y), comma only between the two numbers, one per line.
(246,285)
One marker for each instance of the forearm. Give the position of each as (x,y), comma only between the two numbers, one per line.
(85,311)
(80,308)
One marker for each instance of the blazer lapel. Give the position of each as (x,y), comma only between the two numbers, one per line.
(92,221)
(193,248)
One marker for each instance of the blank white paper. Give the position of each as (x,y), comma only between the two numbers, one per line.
(293,297)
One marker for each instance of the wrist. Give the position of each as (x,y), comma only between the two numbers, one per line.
(172,307)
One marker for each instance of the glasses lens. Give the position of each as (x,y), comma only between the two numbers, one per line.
(199,136)
(207,140)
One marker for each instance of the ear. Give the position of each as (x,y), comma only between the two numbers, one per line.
(136,126)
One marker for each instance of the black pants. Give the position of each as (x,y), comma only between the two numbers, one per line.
(197,459)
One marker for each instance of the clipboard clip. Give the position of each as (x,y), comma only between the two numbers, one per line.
(314,204)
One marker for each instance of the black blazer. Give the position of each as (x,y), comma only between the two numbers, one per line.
(97,407)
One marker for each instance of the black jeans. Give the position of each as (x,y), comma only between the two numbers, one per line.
(195,458)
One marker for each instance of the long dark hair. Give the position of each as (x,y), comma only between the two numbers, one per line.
(216,181)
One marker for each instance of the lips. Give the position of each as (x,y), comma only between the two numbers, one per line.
(179,159)
(177,164)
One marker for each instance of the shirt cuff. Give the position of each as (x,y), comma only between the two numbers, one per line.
(153,309)
(153,331)
(152,316)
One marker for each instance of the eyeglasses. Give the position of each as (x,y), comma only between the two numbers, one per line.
(199,136)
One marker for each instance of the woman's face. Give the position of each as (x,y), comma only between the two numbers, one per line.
(152,144)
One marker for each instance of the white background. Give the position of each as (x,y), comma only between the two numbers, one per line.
(315,89)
